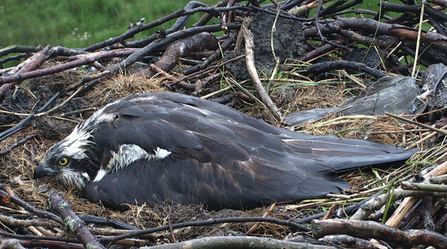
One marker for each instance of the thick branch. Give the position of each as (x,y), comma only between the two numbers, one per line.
(377,28)
(73,222)
(157,45)
(178,49)
(372,229)
(210,222)
(237,242)
(30,64)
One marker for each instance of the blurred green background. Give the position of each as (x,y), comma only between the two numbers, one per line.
(78,23)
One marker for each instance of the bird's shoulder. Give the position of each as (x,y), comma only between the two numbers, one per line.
(181,133)
(184,126)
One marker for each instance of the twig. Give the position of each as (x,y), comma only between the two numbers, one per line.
(66,114)
(326,66)
(403,131)
(418,124)
(251,67)
(196,74)
(33,222)
(53,70)
(257,224)
(272,45)
(352,242)
(132,32)
(24,122)
(423,186)
(399,193)
(438,179)
(209,222)
(19,143)
(341,212)
(80,89)
(215,56)
(18,49)
(330,214)
(432,134)
(418,40)
(106,221)
(37,238)
(171,231)
(407,203)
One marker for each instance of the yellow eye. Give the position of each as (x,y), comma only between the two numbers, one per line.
(63,161)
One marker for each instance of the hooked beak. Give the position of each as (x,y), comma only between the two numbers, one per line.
(42,170)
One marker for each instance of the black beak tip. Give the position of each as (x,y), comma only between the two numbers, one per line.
(42,171)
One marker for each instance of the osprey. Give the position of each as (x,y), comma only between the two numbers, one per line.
(152,147)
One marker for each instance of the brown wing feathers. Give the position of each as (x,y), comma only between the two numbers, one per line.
(219,157)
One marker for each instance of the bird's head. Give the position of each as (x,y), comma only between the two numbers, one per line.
(71,160)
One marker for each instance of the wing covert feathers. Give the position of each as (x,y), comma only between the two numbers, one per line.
(221,157)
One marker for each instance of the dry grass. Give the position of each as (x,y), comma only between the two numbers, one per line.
(120,86)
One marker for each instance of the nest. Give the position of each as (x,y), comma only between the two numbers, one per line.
(293,86)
